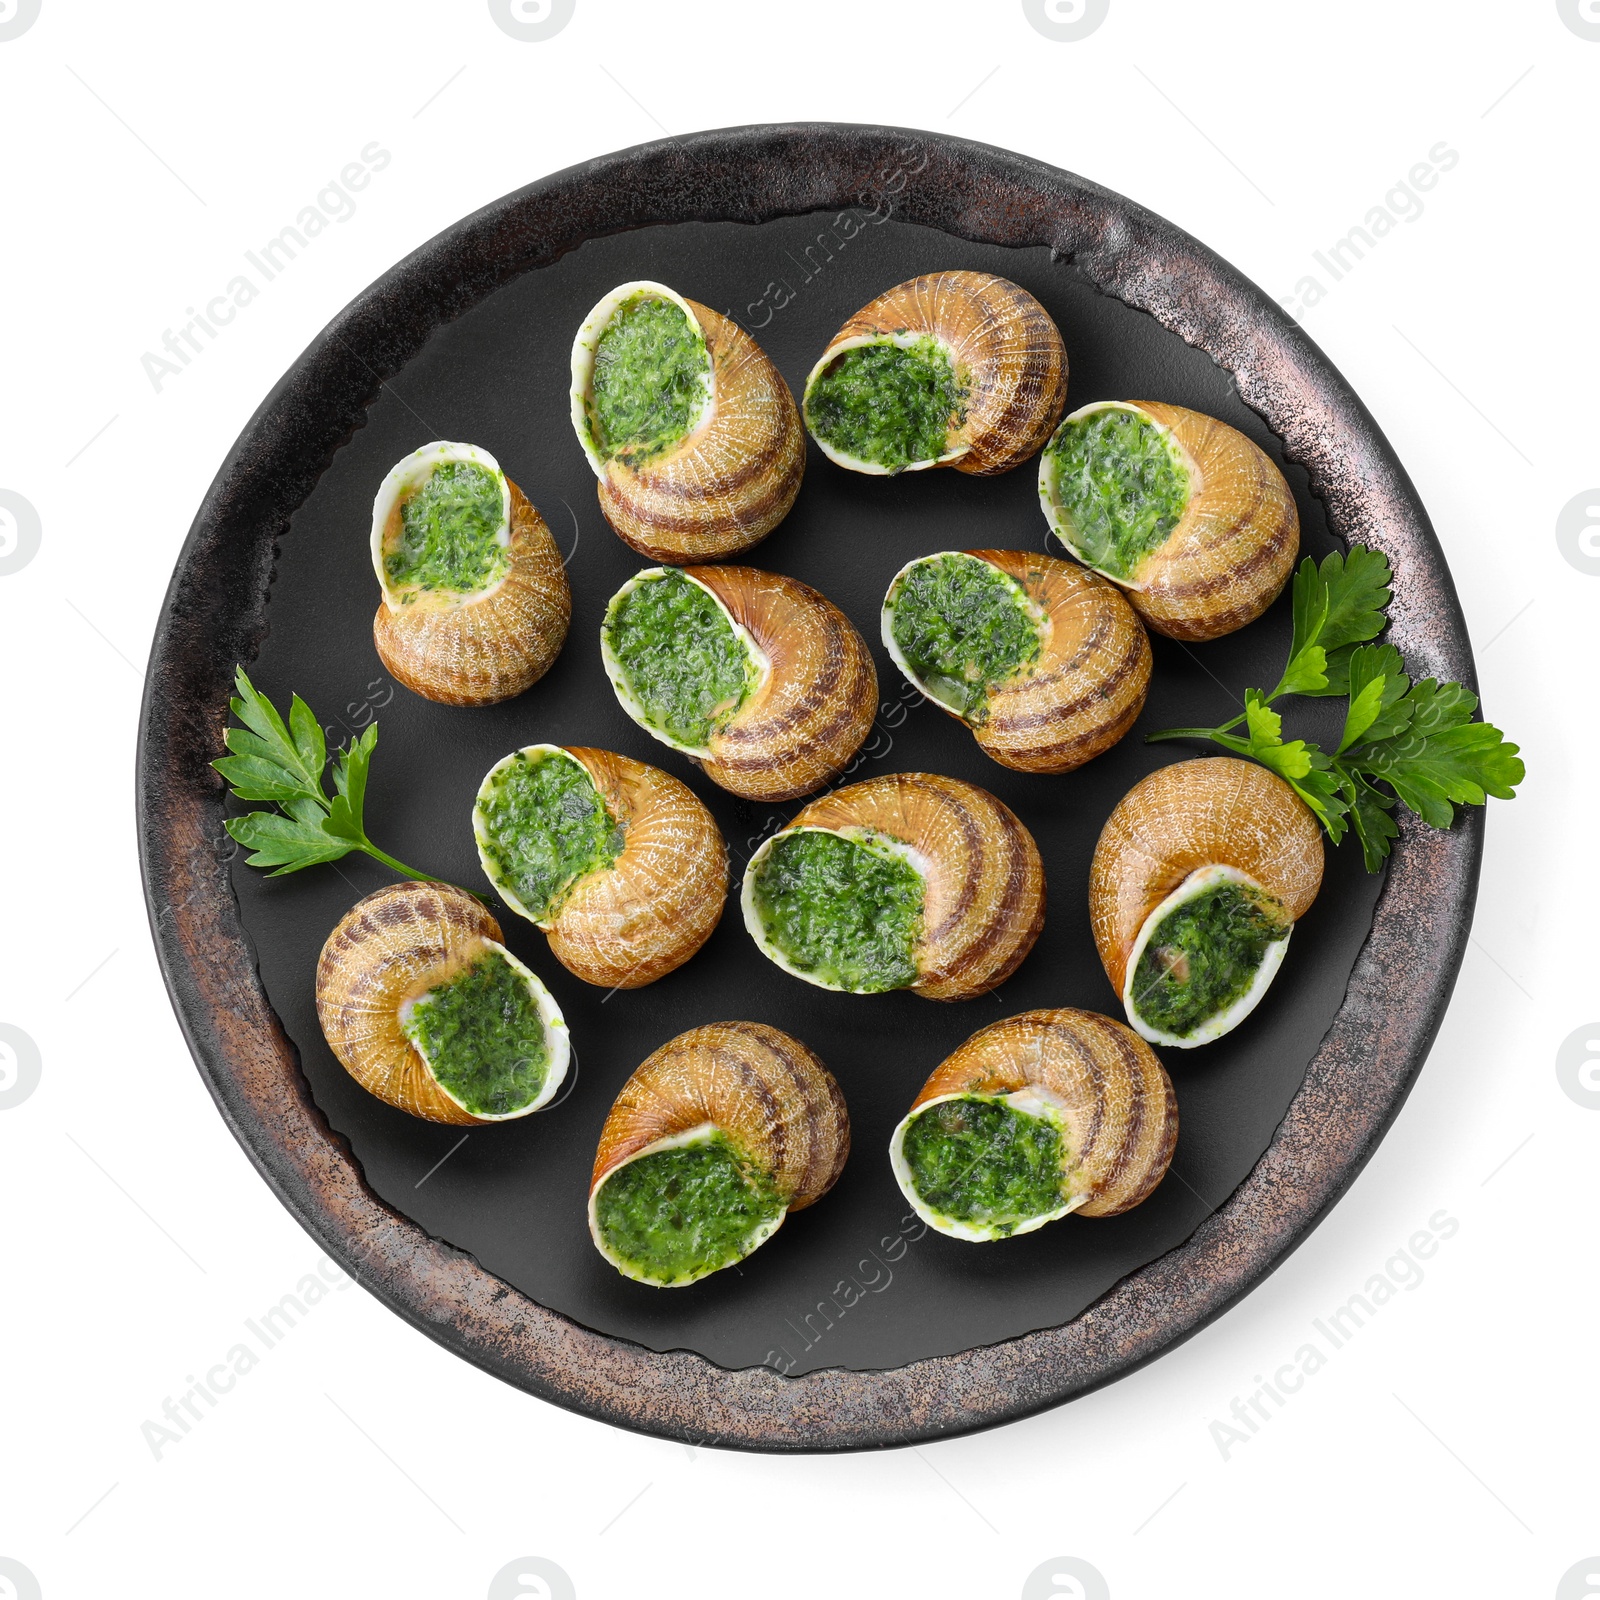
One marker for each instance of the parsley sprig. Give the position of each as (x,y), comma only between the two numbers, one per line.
(283,765)
(1409,743)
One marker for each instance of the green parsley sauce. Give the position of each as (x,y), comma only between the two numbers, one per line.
(483,1037)
(1119,485)
(449,533)
(686,668)
(887,404)
(960,625)
(682,1212)
(980,1160)
(847,910)
(1203,956)
(650,377)
(542,826)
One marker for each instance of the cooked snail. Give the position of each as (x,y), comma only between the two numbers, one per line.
(713,1141)
(1044,662)
(475,599)
(1033,1117)
(910,881)
(1197,881)
(428,1010)
(617,862)
(754,675)
(959,369)
(1186,513)
(690,429)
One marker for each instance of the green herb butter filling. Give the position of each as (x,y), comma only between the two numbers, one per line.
(542,825)
(483,1037)
(1203,956)
(449,534)
(845,912)
(978,1159)
(888,404)
(678,1213)
(682,664)
(961,626)
(651,375)
(1119,487)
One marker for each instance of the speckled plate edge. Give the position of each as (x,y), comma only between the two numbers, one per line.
(216,613)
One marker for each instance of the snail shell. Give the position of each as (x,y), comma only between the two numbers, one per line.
(1096,1081)
(763,1092)
(983,882)
(471,649)
(731,479)
(1083,690)
(1186,829)
(815,690)
(625,923)
(387,952)
(1233,546)
(1006,352)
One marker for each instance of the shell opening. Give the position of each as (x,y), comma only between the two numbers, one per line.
(841,909)
(888,403)
(683,1207)
(1115,484)
(491,1036)
(441,527)
(682,666)
(642,378)
(957,627)
(1204,958)
(541,825)
(986,1166)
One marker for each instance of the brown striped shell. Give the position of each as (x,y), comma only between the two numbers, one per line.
(984,882)
(1183,819)
(1118,1114)
(475,650)
(1085,689)
(625,925)
(732,480)
(815,700)
(1233,549)
(765,1090)
(1005,349)
(394,946)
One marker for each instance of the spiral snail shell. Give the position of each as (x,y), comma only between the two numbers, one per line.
(1185,513)
(959,369)
(428,1010)
(1033,1117)
(690,429)
(756,676)
(475,599)
(909,881)
(1197,880)
(619,863)
(712,1142)
(1045,662)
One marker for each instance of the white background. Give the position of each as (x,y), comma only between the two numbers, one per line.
(1448,1448)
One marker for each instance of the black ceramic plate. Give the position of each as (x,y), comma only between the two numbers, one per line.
(852,1327)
